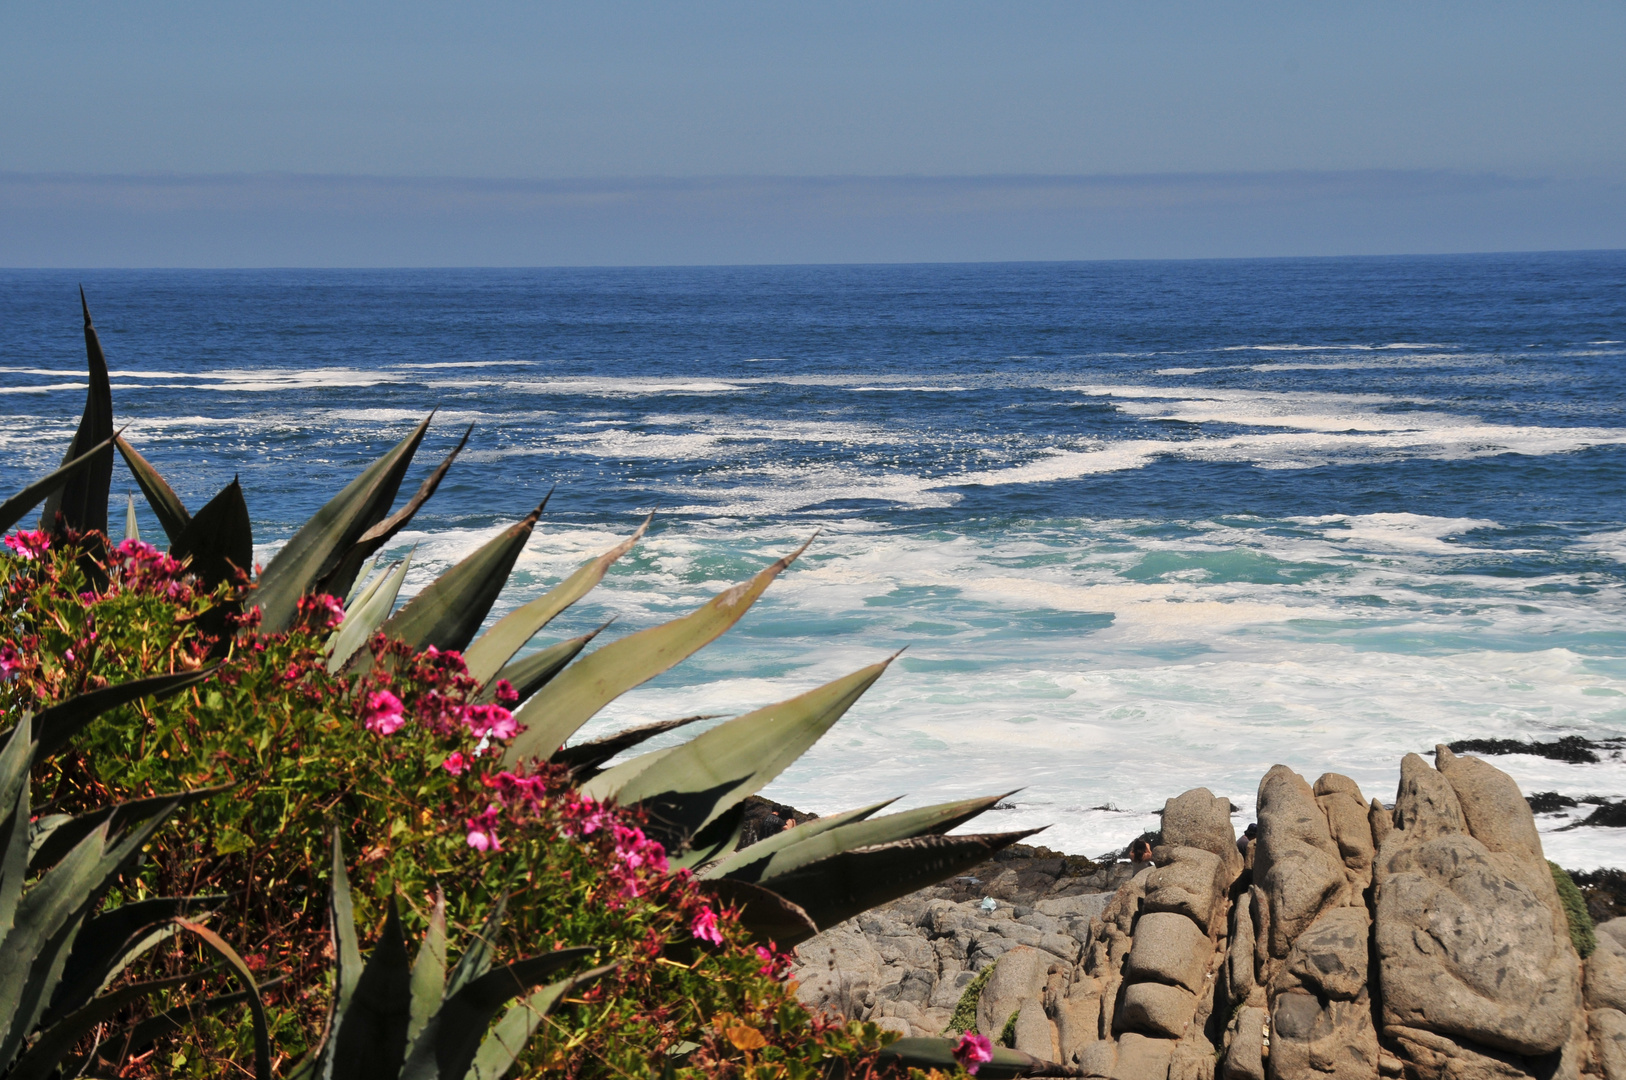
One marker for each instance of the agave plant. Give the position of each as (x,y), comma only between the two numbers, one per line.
(789,885)
(61,953)
(398,1020)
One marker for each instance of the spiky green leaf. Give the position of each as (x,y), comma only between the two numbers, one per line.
(81,500)
(791,835)
(507,1038)
(429,970)
(531,673)
(58,724)
(583,758)
(219,539)
(573,697)
(364,619)
(166,505)
(486,657)
(938,1053)
(13,509)
(15,759)
(371,1040)
(322,541)
(342,924)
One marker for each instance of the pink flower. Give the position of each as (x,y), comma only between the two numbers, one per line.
(705,928)
(483,831)
(972,1051)
(11,661)
(457,764)
(30,545)
(490,722)
(774,962)
(507,696)
(324,612)
(383,713)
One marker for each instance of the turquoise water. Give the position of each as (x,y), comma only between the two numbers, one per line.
(1141,526)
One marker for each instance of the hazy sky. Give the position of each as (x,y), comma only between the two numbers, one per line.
(535,92)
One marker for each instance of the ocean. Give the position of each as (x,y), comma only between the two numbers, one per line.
(1142,526)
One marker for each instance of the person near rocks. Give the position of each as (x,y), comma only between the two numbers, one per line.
(1140,855)
(1247,836)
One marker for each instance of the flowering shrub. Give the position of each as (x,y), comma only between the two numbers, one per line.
(403,761)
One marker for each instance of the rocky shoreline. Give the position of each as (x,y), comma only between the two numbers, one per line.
(1428,938)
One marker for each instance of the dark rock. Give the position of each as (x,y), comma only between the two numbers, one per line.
(1571,748)
(1605,892)
(1549,802)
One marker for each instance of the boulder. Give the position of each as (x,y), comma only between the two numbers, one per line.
(1298,864)
(1019,977)
(1169,948)
(1192,1059)
(1615,928)
(1199,819)
(1239,957)
(1608,1030)
(1605,980)
(1347,819)
(1333,1039)
(1468,946)
(840,970)
(1433,1055)
(1034,1032)
(1330,958)
(1157,1009)
(1078,1019)
(1141,1058)
(1098,1058)
(1381,821)
(1244,1058)
(1497,815)
(1190,883)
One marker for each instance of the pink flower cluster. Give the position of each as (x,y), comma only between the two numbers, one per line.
(383,714)
(11,661)
(774,963)
(705,928)
(320,611)
(973,1051)
(143,568)
(29,545)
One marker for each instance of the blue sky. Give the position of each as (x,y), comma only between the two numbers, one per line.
(502,133)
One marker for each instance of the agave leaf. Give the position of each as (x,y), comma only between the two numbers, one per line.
(922,821)
(712,842)
(794,834)
(220,539)
(584,688)
(764,913)
(132,527)
(372,1029)
(363,621)
(256,1008)
(587,756)
(166,505)
(685,790)
(854,881)
(45,850)
(429,970)
(605,784)
(13,509)
(938,1053)
(61,722)
(498,645)
(322,541)
(530,673)
(57,1041)
(48,919)
(154,1028)
(451,1039)
(15,759)
(342,576)
(503,1045)
(342,919)
(451,608)
(476,959)
(361,585)
(82,498)
(108,943)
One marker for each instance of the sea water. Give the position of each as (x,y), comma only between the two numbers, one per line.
(1139,527)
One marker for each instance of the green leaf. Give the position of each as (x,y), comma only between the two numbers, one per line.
(61,722)
(448,612)
(588,756)
(476,959)
(922,821)
(82,498)
(429,970)
(342,922)
(938,1053)
(57,1041)
(531,673)
(47,848)
(157,1027)
(132,527)
(686,789)
(362,584)
(13,509)
(342,576)
(794,834)
(220,539)
(571,699)
(499,644)
(322,541)
(256,1008)
(371,1041)
(766,915)
(362,621)
(166,505)
(15,840)
(603,786)
(452,1037)
(108,943)
(854,881)
(507,1039)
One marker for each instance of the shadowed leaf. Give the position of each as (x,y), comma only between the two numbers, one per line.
(590,755)
(82,498)
(531,673)
(14,508)
(219,539)
(166,505)
(794,834)
(765,914)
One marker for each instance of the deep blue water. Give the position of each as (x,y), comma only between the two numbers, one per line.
(1210,515)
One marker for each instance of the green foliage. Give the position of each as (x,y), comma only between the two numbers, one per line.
(1580,920)
(965,1010)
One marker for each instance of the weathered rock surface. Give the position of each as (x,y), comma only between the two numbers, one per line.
(1349,942)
